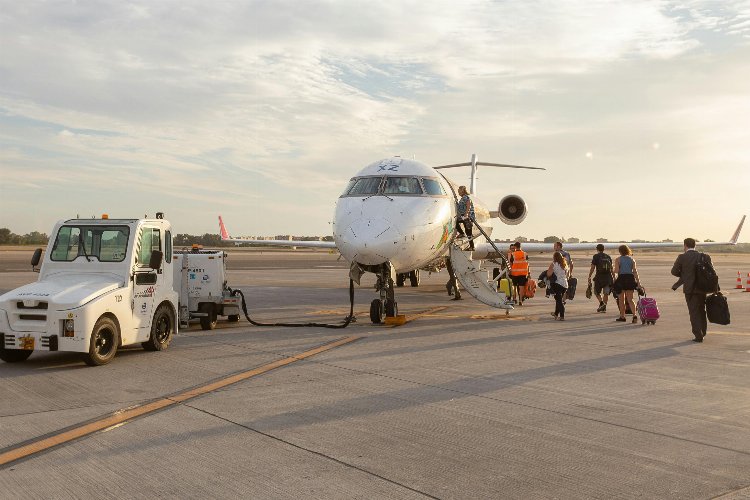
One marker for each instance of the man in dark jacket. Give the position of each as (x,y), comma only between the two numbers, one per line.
(684,268)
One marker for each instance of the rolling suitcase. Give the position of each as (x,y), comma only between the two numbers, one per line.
(717,309)
(530,289)
(647,310)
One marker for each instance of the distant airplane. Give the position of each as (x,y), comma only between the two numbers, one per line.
(398,216)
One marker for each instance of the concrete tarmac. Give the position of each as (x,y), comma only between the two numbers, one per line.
(462,402)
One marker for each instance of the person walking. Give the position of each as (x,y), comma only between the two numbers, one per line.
(627,280)
(519,271)
(601,264)
(558,246)
(559,269)
(465,215)
(684,269)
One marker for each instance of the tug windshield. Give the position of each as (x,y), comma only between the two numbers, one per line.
(105,243)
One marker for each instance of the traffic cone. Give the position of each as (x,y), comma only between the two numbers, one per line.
(739,282)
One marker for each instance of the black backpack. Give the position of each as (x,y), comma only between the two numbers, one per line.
(706,279)
(604,265)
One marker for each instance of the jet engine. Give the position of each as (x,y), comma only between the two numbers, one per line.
(512,210)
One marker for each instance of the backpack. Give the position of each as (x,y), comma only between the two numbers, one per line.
(706,279)
(604,265)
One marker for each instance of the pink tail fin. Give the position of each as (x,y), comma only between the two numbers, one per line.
(223,230)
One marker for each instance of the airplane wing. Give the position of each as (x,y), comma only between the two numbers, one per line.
(611,245)
(273,243)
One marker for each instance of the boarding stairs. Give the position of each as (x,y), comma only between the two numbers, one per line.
(475,280)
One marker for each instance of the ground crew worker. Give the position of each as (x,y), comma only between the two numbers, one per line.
(519,270)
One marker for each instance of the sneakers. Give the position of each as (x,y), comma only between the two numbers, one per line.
(620,319)
(635,319)
(602,308)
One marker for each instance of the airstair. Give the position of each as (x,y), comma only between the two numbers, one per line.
(476,281)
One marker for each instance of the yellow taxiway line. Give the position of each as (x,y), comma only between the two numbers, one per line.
(122,416)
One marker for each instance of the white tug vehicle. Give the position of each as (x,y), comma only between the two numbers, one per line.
(104,283)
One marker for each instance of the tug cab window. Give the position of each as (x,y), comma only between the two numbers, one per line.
(433,187)
(150,240)
(104,243)
(402,185)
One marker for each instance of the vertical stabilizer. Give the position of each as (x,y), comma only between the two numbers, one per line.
(223,230)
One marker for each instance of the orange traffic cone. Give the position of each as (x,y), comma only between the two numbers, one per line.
(739,282)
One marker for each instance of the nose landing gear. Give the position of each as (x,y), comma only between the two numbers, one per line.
(386,305)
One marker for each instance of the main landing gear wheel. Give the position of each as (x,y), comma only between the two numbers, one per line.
(105,337)
(14,355)
(377,311)
(162,329)
(400,279)
(414,277)
(208,322)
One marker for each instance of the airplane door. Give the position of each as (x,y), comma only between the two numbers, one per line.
(146,280)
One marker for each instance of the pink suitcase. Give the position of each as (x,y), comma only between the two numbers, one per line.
(647,310)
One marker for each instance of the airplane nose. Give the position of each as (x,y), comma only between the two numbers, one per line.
(369,241)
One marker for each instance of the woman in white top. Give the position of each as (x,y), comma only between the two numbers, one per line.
(558,269)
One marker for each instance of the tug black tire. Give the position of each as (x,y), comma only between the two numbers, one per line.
(162,329)
(233,318)
(105,337)
(14,355)
(400,279)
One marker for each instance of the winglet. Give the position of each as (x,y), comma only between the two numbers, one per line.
(736,234)
(223,230)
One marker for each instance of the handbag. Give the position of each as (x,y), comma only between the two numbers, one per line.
(717,309)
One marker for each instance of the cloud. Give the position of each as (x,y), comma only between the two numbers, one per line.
(260,102)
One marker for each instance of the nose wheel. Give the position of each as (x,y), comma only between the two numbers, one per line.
(386,305)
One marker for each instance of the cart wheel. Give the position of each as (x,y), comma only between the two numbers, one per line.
(208,322)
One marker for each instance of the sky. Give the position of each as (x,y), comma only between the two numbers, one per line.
(261,111)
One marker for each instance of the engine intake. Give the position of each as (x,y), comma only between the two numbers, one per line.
(512,210)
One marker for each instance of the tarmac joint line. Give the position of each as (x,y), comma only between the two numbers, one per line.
(15,453)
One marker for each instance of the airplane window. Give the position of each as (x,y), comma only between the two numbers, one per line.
(365,185)
(402,185)
(349,186)
(433,187)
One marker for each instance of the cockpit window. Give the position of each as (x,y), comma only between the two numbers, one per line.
(365,185)
(433,187)
(402,185)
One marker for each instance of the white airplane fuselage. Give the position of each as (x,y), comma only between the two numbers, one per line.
(398,211)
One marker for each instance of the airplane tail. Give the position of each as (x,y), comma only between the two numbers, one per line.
(736,234)
(223,230)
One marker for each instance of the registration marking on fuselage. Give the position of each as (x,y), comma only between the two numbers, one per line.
(120,417)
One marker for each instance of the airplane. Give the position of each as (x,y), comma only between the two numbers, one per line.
(398,216)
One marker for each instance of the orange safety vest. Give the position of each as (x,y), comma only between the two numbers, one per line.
(519,266)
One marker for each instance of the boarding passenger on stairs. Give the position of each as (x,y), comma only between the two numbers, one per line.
(519,270)
(465,214)
(559,284)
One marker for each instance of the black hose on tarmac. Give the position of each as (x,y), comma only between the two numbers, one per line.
(319,325)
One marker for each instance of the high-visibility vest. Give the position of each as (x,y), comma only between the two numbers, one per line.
(519,266)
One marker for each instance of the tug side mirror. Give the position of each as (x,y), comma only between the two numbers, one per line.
(36,258)
(157,256)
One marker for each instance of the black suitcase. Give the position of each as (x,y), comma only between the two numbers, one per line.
(717,309)
(572,284)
